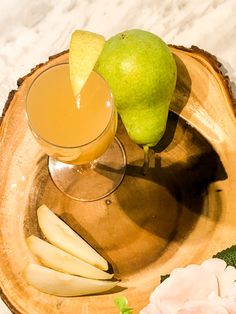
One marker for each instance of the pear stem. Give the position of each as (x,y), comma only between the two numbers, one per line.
(146,159)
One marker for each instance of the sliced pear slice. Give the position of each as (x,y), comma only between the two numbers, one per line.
(85,48)
(62,236)
(55,258)
(59,284)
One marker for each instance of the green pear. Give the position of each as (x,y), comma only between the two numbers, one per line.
(141,72)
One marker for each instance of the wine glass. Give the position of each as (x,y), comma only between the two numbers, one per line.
(86,161)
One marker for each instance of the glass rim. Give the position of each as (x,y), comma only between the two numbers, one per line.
(56,145)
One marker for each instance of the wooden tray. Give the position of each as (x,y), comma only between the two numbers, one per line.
(182,212)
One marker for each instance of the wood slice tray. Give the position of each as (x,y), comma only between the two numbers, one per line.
(181,212)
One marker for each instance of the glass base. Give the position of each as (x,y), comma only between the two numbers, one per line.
(92,181)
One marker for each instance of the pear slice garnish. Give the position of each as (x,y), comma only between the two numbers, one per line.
(59,260)
(56,283)
(85,48)
(62,236)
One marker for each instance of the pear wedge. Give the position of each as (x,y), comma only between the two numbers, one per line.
(55,258)
(62,236)
(85,48)
(60,284)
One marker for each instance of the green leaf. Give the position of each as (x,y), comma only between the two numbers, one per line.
(128,310)
(228,255)
(122,304)
(164,277)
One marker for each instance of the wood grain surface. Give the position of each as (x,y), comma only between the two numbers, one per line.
(181,212)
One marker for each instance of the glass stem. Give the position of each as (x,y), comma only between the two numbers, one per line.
(86,167)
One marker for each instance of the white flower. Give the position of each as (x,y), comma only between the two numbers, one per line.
(209,288)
